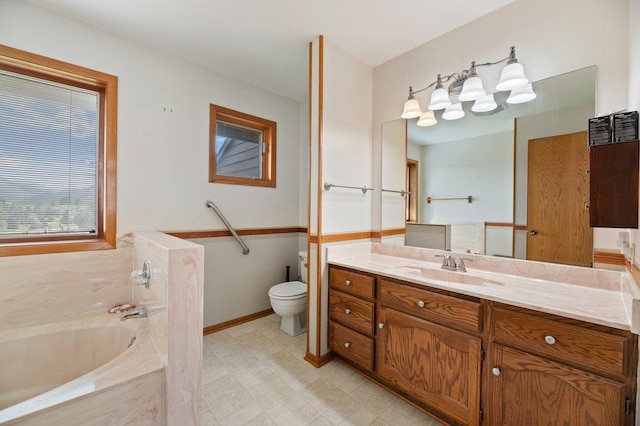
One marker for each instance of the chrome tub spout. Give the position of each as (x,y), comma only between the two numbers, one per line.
(135,313)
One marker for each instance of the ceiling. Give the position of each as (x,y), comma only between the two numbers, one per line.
(265,43)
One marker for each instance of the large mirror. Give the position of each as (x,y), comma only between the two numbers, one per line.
(470,179)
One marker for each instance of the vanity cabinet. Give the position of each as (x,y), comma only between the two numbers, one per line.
(549,370)
(428,346)
(436,365)
(531,390)
(351,316)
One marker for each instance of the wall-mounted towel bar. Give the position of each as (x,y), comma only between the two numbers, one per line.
(469,199)
(364,189)
(402,192)
(245,249)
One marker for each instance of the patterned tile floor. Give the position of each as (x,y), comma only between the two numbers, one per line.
(254,374)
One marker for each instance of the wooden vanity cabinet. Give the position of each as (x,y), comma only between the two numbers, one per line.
(428,346)
(437,366)
(544,369)
(351,316)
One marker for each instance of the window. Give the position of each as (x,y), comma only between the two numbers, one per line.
(242,148)
(57,156)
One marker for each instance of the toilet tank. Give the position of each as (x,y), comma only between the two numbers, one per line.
(302,261)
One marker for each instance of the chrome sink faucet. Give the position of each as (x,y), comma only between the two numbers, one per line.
(135,313)
(451,263)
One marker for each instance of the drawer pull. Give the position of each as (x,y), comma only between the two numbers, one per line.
(347,282)
(420,304)
(550,340)
(347,311)
(495,371)
(380,325)
(347,345)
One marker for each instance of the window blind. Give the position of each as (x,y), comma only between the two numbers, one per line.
(48,157)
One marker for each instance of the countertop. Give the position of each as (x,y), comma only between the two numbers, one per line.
(601,297)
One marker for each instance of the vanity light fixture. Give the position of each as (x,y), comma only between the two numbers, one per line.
(467,86)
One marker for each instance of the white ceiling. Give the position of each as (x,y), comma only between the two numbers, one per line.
(265,42)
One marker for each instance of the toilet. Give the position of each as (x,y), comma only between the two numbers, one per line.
(289,300)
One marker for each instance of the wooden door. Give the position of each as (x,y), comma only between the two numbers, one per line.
(438,366)
(528,390)
(557,200)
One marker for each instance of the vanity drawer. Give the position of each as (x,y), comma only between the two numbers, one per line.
(351,311)
(572,343)
(351,282)
(351,345)
(439,308)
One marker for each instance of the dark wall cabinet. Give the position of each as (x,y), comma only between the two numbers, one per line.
(614,185)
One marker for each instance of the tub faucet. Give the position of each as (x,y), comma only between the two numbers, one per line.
(135,313)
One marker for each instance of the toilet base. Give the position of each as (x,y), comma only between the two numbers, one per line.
(292,325)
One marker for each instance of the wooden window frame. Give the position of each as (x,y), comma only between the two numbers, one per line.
(26,63)
(268,129)
(411,203)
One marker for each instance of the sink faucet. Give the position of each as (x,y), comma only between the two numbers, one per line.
(448,262)
(135,313)
(451,263)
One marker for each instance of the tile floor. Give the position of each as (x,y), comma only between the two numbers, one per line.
(254,374)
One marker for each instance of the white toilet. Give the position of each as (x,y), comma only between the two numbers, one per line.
(289,300)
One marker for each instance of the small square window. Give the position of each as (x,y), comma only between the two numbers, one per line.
(242,148)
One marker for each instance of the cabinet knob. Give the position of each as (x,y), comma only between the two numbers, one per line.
(347,311)
(495,371)
(420,304)
(347,345)
(380,325)
(550,339)
(347,282)
(533,232)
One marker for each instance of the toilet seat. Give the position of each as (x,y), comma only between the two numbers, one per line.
(288,290)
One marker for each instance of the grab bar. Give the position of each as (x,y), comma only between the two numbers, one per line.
(469,199)
(402,192)
(209,204)
(364,189)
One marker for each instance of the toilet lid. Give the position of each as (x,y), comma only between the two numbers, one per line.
(288,289)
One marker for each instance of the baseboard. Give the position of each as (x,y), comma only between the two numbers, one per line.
(227,324)
(318,361)
(610,258)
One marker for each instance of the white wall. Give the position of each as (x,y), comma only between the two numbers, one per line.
(394,164)
(340,154)
(481,166)
(634,83)
(551,38)
(163,125)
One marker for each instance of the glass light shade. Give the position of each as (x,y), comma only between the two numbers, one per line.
(453,112)
(472,89)
(521,95)
(427,119)
(484,104)
(512,77)
(439,99)
(411,109)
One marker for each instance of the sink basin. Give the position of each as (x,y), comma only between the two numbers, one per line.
(449,276)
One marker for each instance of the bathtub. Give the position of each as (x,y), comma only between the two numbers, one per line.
(57,373)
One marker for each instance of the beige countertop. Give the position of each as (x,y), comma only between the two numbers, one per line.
(602,297)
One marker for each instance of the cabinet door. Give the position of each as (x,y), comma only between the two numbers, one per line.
(437,366)
(529,390)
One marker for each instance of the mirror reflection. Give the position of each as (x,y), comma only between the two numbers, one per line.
(470,179)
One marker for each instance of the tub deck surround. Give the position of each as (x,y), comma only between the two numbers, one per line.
(601,297)
(138,361)
(44,288)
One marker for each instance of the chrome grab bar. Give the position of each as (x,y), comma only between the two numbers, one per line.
(364,189)
(402,192)
(209,204)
